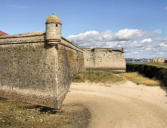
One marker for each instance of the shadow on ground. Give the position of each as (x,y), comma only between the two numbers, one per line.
(43,109)
(22,115)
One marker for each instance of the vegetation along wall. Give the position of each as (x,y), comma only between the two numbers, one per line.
(150,71)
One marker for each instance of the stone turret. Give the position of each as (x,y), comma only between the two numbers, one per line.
(123,50)
(53,29)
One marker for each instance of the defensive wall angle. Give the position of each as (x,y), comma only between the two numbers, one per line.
(37,67)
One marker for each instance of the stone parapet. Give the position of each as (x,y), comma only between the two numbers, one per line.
(35,37)
(69,44)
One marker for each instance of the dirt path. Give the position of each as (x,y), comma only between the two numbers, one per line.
(122,106)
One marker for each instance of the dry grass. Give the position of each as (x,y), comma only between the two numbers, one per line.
(97,77)
(159,65)
(109,77)
(140,79)
(22,115)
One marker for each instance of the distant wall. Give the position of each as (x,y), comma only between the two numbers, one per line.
(159,60)
(104,58)
(34,72)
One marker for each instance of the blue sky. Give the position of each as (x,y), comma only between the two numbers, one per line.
(83,20)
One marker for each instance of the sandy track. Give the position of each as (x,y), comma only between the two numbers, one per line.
(122,106)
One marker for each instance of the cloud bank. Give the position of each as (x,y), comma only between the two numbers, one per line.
(137,43)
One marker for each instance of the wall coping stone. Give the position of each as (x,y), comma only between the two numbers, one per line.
(30,34)
(34,37)
(101,49)
(71,45)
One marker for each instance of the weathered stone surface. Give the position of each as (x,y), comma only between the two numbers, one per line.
(159,60)
(34,37)
(36,72)
(38,67)
(105,59)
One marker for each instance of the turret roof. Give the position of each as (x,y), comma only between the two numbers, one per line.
(53,19)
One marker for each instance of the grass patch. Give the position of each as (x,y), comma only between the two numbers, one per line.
(159,65)
(109,77)
(22,115)
(152,71)
(97,77)
(140,79)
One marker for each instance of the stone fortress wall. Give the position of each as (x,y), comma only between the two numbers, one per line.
(37,69)
(105,59)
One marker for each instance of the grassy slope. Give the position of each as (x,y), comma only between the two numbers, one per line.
(97,77)
(139,79)
(22,115)
(109,77)
(160,65)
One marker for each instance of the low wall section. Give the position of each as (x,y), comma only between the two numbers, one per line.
(104,58)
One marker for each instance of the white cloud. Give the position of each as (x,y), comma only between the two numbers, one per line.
(127,34)
(136,42)
(147,49)
(163,45)
(148,40)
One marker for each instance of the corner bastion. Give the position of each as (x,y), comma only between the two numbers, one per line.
(38,67)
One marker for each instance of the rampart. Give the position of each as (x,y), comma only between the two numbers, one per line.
(33,71)
(105,59)
(38,67)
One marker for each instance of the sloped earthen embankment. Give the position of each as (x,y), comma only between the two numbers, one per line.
(150,71)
